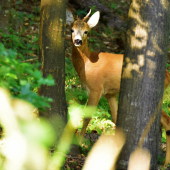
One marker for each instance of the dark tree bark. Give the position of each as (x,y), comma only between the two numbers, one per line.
(143,75)
(52,57)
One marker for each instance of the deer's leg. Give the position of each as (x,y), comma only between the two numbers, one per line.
(165,121)
(112,100)
(94,97)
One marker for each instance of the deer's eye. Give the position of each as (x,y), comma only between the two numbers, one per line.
(85,32)
(72,30)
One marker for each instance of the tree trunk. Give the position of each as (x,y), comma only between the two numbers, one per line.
(52,57)
(143,75)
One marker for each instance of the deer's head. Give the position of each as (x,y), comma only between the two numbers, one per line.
(81,28)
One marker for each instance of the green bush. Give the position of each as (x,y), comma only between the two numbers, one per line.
(22,78)
(25,46)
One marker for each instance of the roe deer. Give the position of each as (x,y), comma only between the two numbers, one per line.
(100,72)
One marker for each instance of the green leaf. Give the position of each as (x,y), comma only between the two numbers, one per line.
(99,131)
(88,142)
(81,97)
(25,89)
(113,6)
(23,82)
(37,74)
(92,127)
(35,39)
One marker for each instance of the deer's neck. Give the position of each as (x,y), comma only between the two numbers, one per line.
(82,52)
(80,55)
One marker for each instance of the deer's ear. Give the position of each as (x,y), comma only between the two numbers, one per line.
(94,19)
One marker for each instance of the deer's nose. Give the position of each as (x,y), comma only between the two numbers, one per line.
(78,42)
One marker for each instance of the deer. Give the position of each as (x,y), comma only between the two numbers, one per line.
(101,72)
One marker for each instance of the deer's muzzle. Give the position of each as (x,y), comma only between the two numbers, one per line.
(77,42)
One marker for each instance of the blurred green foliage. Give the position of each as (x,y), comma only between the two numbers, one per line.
(80,13)
(27,138)
(116,8)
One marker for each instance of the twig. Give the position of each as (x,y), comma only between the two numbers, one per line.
(32,59)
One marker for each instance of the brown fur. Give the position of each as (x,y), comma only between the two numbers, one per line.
(167,79)
(165,122)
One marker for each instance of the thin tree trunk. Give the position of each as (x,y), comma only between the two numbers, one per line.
(143,75)
(52,57)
